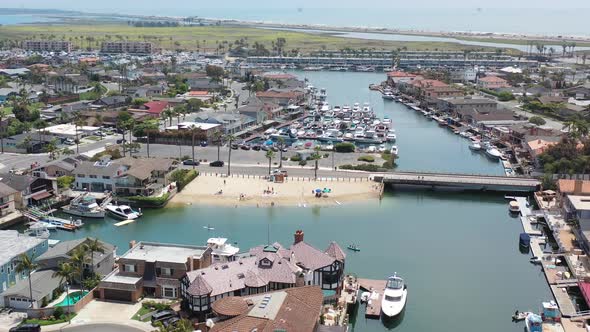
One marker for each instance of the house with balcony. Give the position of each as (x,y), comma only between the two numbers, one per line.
(142,176)
(154,269)
(30,190)
(12,245)
(7,204)
(267,268)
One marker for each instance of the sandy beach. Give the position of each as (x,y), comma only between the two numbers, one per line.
(237,191)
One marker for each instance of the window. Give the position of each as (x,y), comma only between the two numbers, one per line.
(106,177)
(166,271)
(129,268)
(169,292)
(81,175)
(93,176)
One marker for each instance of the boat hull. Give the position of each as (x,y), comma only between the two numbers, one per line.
(392,309)
(84,214)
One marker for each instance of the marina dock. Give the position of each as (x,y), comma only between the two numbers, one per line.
(376,287)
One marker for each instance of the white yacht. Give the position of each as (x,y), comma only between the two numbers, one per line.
(394,151)
(493,153)
(394,296)
(221,250)
(388,96)
(382,148)
(123,212)
(391,137)
(84,206)
(475,146)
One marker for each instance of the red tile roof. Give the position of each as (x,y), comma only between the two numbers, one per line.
(230,306)
(156,107)
(428,83)
(493,79)
(400,74)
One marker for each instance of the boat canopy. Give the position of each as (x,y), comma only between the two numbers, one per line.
(395,283)
(525,237)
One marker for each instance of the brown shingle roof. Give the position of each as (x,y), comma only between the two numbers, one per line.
(230,306)
(336,252)
(309,257)
(199,286)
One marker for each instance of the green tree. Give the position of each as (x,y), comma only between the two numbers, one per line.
(92,246)
(146,129)
(26,143)
(65,182)
(26,265)
(539,121)
(65,272)
(316,156)
(52,149)
(230,139)
(3,114)
(218,139)
(78,259)
(269,155)
(281,142)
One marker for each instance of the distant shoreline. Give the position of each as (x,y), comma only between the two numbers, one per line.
(491,37)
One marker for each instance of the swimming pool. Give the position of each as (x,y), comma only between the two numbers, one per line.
(72,298)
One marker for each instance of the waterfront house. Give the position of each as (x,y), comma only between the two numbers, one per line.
(7,204)
(282,98)
(56,168)
(102,263)
(267,268)
(96,176)
(272,311)
(12,245)
(454,105)
(538,145)
(395,78)
(208,130)
(232,123)
(142,176)
(492,83)
(30,190)
(154,269)
(260,110)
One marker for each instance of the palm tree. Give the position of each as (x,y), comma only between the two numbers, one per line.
(65,272)
(3,114)
(26,263)
(269,155)
(316,157)
(26,143)
(78,259)
(218,137)
(281,147)
(193,132)
(230,138)
(168,113)
(77,122)
(92,247)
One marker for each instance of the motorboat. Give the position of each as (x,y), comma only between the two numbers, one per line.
(391,137)
(84,206)
(372,149)
(382,148)
(38,230)
(388,96)
(520,315)
(534,323)
(221,250)
(394,150)
(353,247)
(513,207)
(524,240)
(124,212)
(475,146)
(493,153)
(394,296)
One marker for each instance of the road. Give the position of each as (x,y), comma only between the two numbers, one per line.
(101,328)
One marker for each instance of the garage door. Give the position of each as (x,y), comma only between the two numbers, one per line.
(117,295)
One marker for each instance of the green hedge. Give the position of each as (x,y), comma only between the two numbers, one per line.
(368,159)
(344,147)
(362,167)
(150,201)
(182,177)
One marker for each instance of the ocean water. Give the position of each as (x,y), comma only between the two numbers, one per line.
(567,21)
(22,19)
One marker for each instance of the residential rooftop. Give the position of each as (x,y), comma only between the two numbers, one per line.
(13,243)
(160,252)
(580,203)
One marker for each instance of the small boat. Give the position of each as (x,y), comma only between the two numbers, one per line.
(394,150)
(388,96)
(536,260)
(209,228)
(123,212)
(534,323)
(394,296)
(38,230)
(518,316)
(524,240)
(365,296)
(513,207)
(475,146)
(353,247)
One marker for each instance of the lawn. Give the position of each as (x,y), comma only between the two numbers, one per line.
(205,38)
(93,95)
(142,311)
(44,322)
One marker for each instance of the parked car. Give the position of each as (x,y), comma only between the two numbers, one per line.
(121,141)
(256,147)
(100,134)
(204,143)
(264,148)
(234,146)
(26,328)
(280,171)
(245,147)
(171,321)
(163,315)
(190,162)
(69,141)
(218,163)
(275,149)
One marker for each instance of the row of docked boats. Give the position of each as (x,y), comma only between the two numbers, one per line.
(361,69)
(356,124)
(86,206)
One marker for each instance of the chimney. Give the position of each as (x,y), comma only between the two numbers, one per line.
(131,244)
(578,187)
(298,236)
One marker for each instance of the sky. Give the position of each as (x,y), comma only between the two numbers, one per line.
(147,5)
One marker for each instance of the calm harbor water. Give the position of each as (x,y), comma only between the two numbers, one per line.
(22,19)
(458,252)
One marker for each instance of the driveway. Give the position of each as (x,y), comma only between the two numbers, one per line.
(102,310)
(104,327)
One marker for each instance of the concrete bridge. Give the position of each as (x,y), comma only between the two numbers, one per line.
(458,182)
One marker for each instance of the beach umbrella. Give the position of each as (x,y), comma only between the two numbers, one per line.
(269,142)
(318,190)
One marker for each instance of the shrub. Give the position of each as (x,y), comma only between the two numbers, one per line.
(344,147)
(182,177)
(296,157)
(64,182)
(368,159)
(58,312)
(326,155)
(539,121)
(389,160)
(185,157)
(362,167)
(302,163)
(150,201)
(153,305)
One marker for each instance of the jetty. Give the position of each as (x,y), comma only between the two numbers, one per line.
(376,288)
(460,182)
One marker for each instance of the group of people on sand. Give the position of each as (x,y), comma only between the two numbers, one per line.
(269,191)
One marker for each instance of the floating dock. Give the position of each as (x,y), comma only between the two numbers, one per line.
(124,222)
(376,287)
